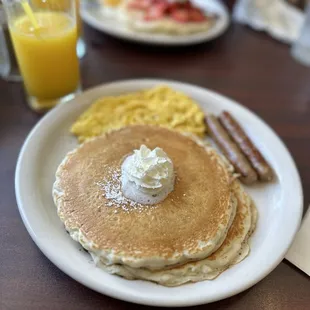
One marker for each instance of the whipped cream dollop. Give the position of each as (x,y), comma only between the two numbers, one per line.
(147,175)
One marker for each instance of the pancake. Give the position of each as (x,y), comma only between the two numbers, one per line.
(233,250)
(168,26)
(189,225)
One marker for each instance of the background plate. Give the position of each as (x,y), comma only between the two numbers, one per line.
(279,204)
(93,16)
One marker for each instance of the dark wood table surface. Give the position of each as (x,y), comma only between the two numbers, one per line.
(245,65)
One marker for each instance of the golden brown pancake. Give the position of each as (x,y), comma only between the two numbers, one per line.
(190,224)
(233,250)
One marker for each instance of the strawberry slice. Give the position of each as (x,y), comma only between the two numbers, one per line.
(140,4)
(179,5)
(161,5)
(156,11)
(196,15)
(172,7)
(162,2)
(187,5)
(180,15)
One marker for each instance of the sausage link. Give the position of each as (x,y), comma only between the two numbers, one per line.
(254,156)
(231,150)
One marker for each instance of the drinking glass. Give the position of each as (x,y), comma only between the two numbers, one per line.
(45,40)
(62,5)
(8,63)
(81,46)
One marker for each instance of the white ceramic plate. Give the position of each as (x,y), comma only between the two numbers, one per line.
(279,204)
(93,15)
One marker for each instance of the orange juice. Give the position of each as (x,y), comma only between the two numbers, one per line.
(78,18)
(60,5)
(111,2)
(47,56)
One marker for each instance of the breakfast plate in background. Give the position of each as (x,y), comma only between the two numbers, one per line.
(93,14)
(279,203)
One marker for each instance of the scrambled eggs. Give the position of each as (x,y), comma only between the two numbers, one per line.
(160,105)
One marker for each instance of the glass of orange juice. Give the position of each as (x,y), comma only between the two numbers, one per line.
(45,40)
(62,5)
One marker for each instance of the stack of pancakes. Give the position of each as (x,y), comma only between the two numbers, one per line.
(197,232)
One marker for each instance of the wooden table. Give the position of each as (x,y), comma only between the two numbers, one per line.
(244,65)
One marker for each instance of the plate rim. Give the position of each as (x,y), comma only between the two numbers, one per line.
(151,39)
(138,299)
